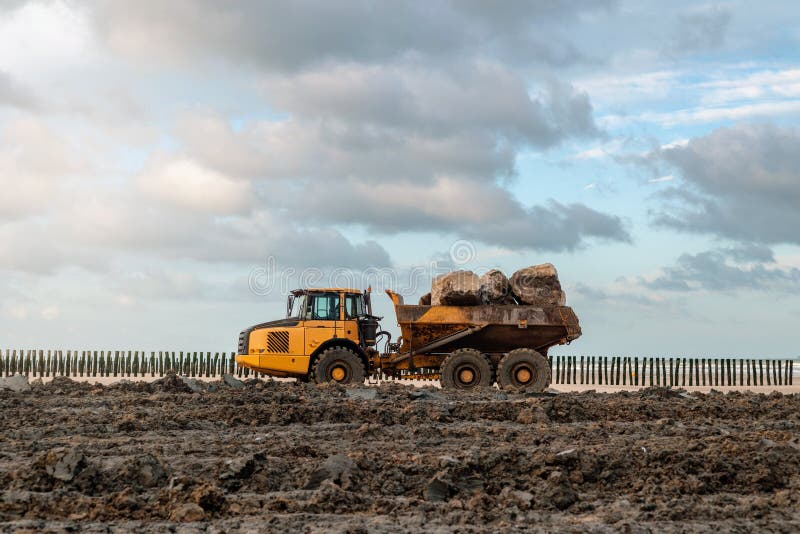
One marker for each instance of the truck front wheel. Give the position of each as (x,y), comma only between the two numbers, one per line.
(523,369)
(339,365)
(466,369)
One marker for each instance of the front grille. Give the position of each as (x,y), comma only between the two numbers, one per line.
(278,341)
(244,342)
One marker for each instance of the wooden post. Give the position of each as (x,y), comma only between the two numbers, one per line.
(617,378)
(738,379)
(574,369)
(761,372)
(697,363)
(644,371)
(671,381)
(710,372)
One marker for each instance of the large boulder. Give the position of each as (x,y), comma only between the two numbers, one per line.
(458,288)
(16,383)
(538,285)
(494,288)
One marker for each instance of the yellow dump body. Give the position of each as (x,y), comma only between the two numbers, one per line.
(491,329)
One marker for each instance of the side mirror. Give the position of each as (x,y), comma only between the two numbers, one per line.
(289,302)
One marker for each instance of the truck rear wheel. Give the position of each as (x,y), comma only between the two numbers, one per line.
(339,365)
(466,369)
(523,369)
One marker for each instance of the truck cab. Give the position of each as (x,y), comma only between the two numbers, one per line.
(327,334)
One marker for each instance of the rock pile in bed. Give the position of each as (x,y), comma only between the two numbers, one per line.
(537,285)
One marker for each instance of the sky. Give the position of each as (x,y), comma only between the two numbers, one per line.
(169,170)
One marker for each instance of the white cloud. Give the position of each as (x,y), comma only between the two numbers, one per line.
(629,88)
(40,39)
(759,84)
(50,313)
(666,178)
(184,183)
(705,115)
(36,165)
(675,143)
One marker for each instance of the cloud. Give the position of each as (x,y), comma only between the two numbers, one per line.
(701,29)
(40,40)
(750,267)
(477,211)
(14,95)
(185,184)
(385,123)
(292,36)
(706,114)
(740,183)
(36,165)
(403,148)
(414,99)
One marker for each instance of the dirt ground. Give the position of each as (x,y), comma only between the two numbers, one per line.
(275,456)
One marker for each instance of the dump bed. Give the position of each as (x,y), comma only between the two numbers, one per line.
(487,328)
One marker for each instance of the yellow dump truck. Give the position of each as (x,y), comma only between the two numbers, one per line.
(330,334)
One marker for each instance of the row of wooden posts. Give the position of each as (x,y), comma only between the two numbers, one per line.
(675,372)
(586,370)
(118,363)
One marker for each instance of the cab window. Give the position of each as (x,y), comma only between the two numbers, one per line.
(323,307)
(354,306)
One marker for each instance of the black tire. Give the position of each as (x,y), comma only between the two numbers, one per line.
(339,365)
(466,369)
(523,369)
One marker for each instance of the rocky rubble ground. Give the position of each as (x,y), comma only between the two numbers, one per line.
(224,456)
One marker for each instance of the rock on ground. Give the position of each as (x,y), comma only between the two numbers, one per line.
(15,383)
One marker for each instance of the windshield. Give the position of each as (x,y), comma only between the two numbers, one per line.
(298,304)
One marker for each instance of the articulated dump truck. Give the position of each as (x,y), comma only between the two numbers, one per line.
(330,335)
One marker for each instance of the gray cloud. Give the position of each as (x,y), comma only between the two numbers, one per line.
(748,267)
(481,212)
(404,148)
(741,183)
(701,29)
(12,94)
(295,35)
